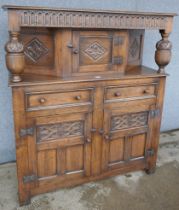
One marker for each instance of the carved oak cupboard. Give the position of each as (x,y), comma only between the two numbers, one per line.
(84,106)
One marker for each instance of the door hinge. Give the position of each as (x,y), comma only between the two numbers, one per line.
(150,152)
(155,113)
(117,60)
(26,131)
(31,178)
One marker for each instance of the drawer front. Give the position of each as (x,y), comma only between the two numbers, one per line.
(43,100)
(130,92)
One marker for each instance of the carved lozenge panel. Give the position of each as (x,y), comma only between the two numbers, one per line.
(59,130)
(129,120)
(95,51)
(35,49)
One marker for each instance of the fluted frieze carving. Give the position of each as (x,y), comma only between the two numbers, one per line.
(75,19)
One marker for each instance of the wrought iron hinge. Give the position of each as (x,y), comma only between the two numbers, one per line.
(150,152)
(117,60)
(31,178)
(26,131)
(155,113)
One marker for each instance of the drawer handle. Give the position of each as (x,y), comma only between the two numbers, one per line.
(77,97)
(88,140)
(145,92)
(117,94)
(42,100)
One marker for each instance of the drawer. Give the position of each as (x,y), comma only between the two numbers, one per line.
(44,100)
(130,92)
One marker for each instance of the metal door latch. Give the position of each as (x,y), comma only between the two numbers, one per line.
(31,178)
(150,152)
(26,131)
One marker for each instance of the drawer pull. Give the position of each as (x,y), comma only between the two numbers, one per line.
(88,140)
(42,100)
(117,94)
(77,97)
(145,92)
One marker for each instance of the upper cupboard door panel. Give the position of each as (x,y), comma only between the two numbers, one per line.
(99,51)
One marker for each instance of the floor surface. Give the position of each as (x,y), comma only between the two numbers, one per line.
(133,191)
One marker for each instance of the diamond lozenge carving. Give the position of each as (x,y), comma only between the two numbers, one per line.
(95,51)
(35,49)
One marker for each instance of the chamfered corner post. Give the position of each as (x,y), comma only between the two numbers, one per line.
(15,58)
(163,51)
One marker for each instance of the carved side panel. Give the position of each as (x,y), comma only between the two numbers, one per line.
(39,50)
(131,120)
(136,38)
(35,50)
(59,130)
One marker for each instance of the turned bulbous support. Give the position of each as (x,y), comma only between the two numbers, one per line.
(163,52)
(15,60)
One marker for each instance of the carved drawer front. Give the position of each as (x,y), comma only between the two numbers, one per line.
(46,100)
(130,93)
(62,146)
(99,51)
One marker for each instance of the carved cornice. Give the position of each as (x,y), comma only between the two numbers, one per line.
(76,19)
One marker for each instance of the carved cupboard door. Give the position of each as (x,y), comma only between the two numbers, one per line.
(98,51)
(127,136)
(60,147)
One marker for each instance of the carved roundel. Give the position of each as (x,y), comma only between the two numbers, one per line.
(35,49)
(95,51)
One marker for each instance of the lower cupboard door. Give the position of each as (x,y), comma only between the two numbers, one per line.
(60,148)
(127,138)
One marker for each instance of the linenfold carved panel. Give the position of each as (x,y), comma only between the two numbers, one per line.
(85,19)
(129,120)
(59,130)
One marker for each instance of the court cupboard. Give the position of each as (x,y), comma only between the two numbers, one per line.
(84,106)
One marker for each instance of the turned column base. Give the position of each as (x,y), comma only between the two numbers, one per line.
(16,78)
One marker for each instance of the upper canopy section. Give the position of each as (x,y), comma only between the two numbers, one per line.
(22,16)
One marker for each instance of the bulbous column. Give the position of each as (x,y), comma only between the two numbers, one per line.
(15,60)
(163,52)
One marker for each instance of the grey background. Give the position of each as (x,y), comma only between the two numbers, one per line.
(170,118)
